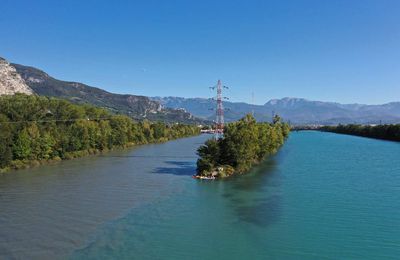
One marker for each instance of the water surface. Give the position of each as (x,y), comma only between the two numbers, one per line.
(323,196)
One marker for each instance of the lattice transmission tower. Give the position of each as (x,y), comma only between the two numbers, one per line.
(219,122)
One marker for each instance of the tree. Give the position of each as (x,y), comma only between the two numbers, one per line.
(22,145)
(41,128)
(5,141)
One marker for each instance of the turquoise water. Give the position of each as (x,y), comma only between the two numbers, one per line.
(323,196)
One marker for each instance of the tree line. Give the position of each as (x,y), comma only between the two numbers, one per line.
(244,143)
(385,132)
(35,129)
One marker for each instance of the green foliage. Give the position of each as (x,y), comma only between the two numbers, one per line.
(22,146)
(33,129)
(386,132)
(6,142)
(245,143)
(209,154)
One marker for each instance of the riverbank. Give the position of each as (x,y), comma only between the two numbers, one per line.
(38,130)
(28,164)
(383,132)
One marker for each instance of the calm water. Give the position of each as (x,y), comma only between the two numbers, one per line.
(323,196)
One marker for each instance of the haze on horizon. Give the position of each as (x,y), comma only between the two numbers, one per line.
(342,51)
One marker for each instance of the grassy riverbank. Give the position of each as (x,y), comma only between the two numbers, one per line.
(245,143)
(384,132)
(36,130)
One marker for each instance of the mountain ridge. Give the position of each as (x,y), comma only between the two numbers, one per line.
(296,110)
(138,107)
(15,78)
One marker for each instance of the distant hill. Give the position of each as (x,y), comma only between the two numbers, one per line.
(296,110)
(19,78)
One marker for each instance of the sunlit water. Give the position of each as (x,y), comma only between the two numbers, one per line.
(323,196)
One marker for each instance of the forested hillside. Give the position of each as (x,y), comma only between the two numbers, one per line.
(35,129)
(16,78)
(244,144)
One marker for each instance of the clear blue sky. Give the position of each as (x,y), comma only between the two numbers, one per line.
(343,50)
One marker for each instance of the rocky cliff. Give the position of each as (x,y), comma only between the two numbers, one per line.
(10,81)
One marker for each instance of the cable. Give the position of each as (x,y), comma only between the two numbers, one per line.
(54,120)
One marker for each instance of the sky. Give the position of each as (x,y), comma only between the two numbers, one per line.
(345,51)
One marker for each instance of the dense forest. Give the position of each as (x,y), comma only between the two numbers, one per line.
(385,132)
(244,144)
(37,129)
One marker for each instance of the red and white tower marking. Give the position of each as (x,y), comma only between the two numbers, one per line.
(219,122)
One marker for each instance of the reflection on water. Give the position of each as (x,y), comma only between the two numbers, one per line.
(260,178)
(153,156)
(259,208)
(261,212)
(186,168)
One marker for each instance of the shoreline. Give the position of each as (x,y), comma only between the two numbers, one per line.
(29,164)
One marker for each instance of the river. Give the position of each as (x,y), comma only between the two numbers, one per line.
(323,196)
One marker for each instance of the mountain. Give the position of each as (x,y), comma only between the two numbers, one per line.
(295,110)
(16,78)
(19,78)
(10,81)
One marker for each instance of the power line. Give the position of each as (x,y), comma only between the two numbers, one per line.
(55,120)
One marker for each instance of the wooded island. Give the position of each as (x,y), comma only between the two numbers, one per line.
(244,144)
